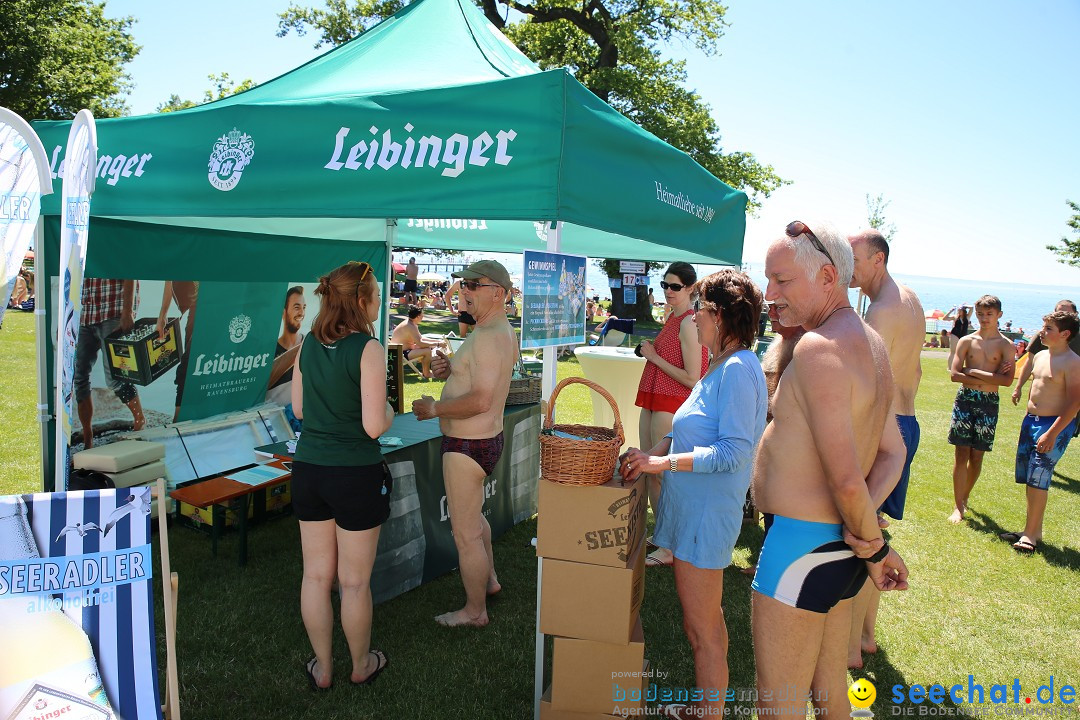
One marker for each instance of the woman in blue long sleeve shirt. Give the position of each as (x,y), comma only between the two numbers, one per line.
(706,463)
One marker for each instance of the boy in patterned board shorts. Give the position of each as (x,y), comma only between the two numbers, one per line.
(1050,421)
(983,362)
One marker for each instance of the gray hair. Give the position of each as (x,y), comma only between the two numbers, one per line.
(811,259)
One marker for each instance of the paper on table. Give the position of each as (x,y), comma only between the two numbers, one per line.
(257,475)
(387,441)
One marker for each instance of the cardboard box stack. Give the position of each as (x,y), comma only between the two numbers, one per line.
(592,540)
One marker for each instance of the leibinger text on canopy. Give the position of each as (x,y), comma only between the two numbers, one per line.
(454,152)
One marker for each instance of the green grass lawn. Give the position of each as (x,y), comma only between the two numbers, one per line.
(975,606)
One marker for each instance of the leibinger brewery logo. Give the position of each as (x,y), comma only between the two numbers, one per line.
(232,153)
(624,510)
(453,152)
(239,327)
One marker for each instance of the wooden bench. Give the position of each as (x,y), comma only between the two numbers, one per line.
(216,493)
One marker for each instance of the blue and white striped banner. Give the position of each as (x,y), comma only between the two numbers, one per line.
(86,565)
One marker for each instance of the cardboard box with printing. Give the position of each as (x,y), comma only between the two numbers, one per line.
(547,712)
(592,602)
(596,524)
(590,676)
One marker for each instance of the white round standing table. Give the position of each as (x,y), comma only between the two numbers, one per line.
(617,370)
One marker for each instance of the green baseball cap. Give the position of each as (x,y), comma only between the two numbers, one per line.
(487,268)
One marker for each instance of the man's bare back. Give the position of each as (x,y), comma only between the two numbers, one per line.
(407,335)
(484,359)
(789,477)
(897,316)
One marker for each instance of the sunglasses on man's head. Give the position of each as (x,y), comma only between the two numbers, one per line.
(471,285)
(797,228)
(673,287)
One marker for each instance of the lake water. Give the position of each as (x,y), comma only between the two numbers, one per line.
(1023,304)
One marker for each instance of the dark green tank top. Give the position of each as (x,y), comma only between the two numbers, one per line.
(333,432)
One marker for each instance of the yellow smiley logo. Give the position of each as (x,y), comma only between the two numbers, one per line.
(862,693)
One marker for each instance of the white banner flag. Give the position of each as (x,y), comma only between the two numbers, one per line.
(22,184)
(80,167)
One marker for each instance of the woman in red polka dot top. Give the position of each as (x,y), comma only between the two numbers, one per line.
(676,361)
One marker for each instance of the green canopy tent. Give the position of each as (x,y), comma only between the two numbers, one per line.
(432,114)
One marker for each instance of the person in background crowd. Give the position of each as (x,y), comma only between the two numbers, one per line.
(340,484)
(897,315)
(412,271)
(21,292)
(983,362)
(706,462)
(107,305)
(1050,422)
(961,327)
(470,414)
(676,360)
(407,334)
(827,460)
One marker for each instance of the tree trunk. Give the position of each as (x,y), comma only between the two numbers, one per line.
(639,310)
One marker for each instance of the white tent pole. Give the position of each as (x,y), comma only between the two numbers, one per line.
(547,384)
(41,332)
(391,238)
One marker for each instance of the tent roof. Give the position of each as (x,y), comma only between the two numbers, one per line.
(430,114)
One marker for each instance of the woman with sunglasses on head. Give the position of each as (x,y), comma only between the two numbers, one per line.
(340,484)
(676,361)
(706,461)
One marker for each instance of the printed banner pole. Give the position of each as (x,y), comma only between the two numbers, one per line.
(22,183)
(80,166)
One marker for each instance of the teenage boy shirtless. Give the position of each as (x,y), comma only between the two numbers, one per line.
(983,362)
(1050,421)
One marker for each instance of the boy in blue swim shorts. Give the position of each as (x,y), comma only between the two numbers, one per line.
(1050,423)
(983,362)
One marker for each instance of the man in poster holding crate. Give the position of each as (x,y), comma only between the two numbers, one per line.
(470,414)
(106,306)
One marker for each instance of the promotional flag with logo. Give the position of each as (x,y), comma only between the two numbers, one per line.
(78,184)
(77,606)
(232,348)
(20,197)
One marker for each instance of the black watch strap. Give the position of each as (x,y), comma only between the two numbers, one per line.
(879,555)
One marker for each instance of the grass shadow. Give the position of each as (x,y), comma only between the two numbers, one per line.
(1066,483)
(1060,556)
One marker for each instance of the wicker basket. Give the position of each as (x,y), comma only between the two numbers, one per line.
(580,462)
(524,390)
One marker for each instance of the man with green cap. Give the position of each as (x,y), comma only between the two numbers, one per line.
(470,414)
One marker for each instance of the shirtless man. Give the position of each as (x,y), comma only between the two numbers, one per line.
(412,271)
(983,362)
(897,315)
(470,416)
(1050,421)
(407,334)
(825,462)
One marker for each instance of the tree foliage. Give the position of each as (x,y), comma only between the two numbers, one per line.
(875,216)
(222,87)
(1068,251)
(60,56)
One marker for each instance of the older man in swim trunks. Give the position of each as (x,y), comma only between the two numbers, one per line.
(470,414)
(825,463)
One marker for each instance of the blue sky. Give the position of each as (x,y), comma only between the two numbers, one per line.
(963,114)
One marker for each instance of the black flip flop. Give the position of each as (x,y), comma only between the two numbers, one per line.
(381,663)
(309,669)
(1011,537)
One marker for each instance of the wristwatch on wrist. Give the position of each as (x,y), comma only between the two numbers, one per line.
(879,555)
(674,463)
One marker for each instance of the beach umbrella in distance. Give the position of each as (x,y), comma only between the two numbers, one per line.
(398,267)
(428,276)
(935,314)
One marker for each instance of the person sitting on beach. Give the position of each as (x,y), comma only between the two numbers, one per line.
(983,362)
(1051,420)
(413,347)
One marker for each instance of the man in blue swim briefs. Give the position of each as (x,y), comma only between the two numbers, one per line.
(826,462)
(983,362)
(470,414)
(1050,421)
(897,315)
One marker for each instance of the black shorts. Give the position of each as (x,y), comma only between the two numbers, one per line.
(410,286)
(357,497)
(465,318)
